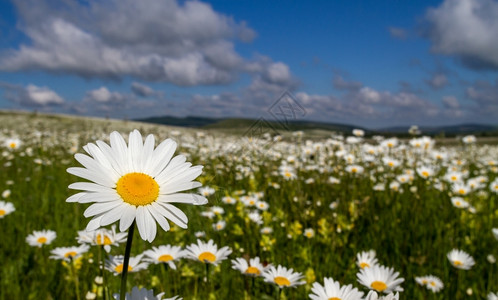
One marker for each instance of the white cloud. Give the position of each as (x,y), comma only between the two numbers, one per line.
(466,29)
(31,95)
(438,81)
(103,95)
(451,102)
(185,43)
(398,33)
(142,90)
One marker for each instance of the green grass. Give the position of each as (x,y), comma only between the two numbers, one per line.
(410,231)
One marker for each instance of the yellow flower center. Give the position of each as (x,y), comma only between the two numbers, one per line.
(432,283)
(288,174)
(42,240)
(282,281)
(2,212)
(309,234)
(457,263)
(119,268)
(390,163)
(453,178)
(165,258)
(334,298)
(207,256)
(425,174)
(12,145)
(364,265)
(219,226)
(424,281)
(105,240)
(457,203)
(253,270)
(137,189)
(379,286)
(70,254)
(461,191)
(354,170)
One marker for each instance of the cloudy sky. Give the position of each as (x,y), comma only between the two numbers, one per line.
(367,63)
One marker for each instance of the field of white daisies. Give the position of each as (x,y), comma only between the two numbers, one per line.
(102,209)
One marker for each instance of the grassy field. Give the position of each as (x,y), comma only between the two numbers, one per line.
(391,207)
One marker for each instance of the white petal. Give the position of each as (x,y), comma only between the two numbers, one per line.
(135,146)
(170,189)
(141,224)
(151,225)
(113,215)
(174,214)
(173,164)
(98,178)
(185,176)
(88,186)
(147,151)
(100,208)
(110,195)
(183,198)
(119,147)
(161,220)
(94,224)
(162,156)
(128,217)
(75,197)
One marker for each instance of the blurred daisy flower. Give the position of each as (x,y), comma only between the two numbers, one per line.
(366,259)
(102,237)
(6,208)
(135,182)
(333,290)
(254,268)
(40,238)
(459,202)
(309,233)
(460,259)
(283,277)
(207,252)
(380,279)
(431,282)
(13,143)
(164,254)
(69,253)
(374,296)
(115,264)
(144,294)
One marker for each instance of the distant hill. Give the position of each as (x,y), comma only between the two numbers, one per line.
(453,130)
(182,122)
(239,124)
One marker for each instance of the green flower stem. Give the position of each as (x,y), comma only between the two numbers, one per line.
(124,274)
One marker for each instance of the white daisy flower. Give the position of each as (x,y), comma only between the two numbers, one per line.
(220,225)
(373,296)
(13,143)
(207,252)
(6,208)
(115,264)
(135,182)
(366,259)
(309,233)
(380,279)
(102,237)
(495,232)
(431,282)
(492,296)
(283,277)
(164,254)
(459,202)
(69,253)
(460,259)
(144,294)
(40,238)
(333,290)
(254,268)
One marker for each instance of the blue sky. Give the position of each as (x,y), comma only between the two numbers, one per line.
(366,63)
